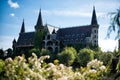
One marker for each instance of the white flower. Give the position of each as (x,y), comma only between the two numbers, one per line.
(102,68)
(92,71)
(63,78)
(27,79)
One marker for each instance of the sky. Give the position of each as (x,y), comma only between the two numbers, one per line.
(60,13)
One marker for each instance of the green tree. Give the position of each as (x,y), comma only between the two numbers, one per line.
(84,56)
(106,58)
(2,65)
(1,54)
(39,34)
(34,50)
(114,23)
(118,66)
(9,52)
(67,56)
(45,52)
(97,53)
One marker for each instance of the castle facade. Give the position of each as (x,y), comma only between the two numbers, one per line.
(87,34)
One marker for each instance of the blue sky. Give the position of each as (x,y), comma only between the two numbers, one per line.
(60,13)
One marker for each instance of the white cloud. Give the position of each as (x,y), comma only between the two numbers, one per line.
(12,14)
(13,4)
(108,44)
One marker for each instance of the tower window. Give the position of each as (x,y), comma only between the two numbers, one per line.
(95,36)
(95,31)
(95,41)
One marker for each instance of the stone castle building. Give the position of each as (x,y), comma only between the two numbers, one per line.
(86,35)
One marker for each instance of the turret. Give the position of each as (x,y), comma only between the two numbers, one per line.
(39,24)
(22,27)
(94,18)
(95,27)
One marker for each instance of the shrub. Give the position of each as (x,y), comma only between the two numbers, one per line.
(67,56)
(84,56)
(118,66)
(2,65)
(36,69)
(106,58)
(95,70)
(34,50)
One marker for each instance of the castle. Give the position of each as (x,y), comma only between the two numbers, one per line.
(86,35)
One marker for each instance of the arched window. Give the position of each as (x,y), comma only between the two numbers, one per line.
(50,49)
(49,43)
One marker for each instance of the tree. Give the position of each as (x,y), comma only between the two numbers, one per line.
(106,58)
(2,65)
(39,39)
(67,56)
(118,66)
(84,56)
(9,52)
(34,50)
(1,53)
(114,23)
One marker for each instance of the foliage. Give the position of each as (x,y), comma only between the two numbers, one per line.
(1,53)
(34,50)
(9,52)
(97,53)
(39,34)
(95,70)
(84,56)
(118,66)
(77,46)
(115,23)
(2,65)
(37,69)
(67,56)
(45,52)
(106,58)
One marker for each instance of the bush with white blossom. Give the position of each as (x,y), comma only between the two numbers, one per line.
(36,69)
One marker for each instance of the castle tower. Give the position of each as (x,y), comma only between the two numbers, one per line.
(95,27)
(39,24)
(22,27)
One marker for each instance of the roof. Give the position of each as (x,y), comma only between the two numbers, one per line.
(75,30)
(71,34)
(26,39)
(94,18)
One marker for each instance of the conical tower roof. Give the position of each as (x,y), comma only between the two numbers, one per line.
(94,18)
(22,27)
(39,23)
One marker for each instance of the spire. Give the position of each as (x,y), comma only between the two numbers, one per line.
(23,27)
(53,31)
(94,18)
(39,21)
(14,41)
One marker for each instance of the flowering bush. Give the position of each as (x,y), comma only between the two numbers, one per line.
(36,69)
(95,70)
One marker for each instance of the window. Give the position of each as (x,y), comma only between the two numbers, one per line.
(95,41)
(95,31)
(95,36)
(48,37)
